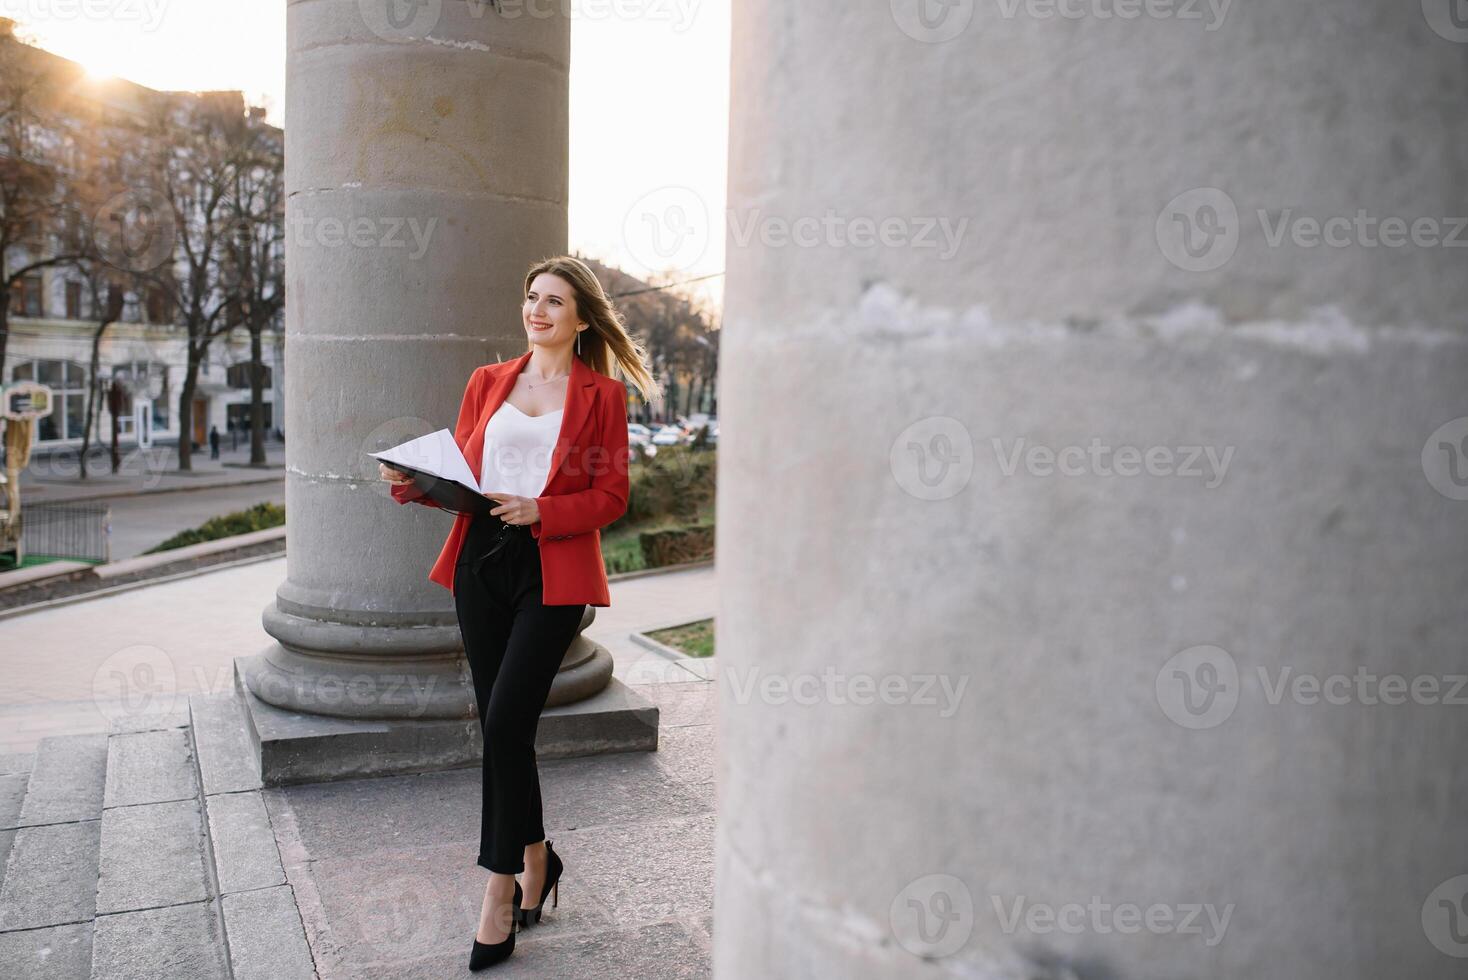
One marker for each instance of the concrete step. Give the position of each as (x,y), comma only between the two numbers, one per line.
(152,854)
(67,782)
(51,845)
(51,876)
(266,939)
(227,759)
(116,865)
(183,941)
(150,767)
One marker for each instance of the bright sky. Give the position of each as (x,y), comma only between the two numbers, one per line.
(651,85)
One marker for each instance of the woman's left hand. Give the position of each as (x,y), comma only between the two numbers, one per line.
(515,510)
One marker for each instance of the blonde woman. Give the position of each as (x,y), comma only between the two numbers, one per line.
(548,431)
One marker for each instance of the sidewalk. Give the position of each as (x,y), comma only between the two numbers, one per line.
(63,666)
(56,476)
(135,853)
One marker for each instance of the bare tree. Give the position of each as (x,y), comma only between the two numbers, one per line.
(200,149)
(255,255)
(106,296)
(45,151)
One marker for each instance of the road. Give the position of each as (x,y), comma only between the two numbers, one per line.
(142,521)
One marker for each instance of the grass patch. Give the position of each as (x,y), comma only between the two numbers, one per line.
(7,561)
(675,489)
(694,639)
(256,518)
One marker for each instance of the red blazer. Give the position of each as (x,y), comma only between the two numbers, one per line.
(585,490)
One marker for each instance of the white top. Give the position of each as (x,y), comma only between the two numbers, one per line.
(517,450)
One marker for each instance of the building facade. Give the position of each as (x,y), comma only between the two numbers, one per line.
(54,315)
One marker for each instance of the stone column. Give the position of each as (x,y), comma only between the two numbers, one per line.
(426,168)
(1050,465)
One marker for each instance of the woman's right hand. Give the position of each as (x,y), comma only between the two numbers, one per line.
(391,475)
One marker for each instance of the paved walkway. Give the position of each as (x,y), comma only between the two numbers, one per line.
(66,668)
(379,873)
(56,476)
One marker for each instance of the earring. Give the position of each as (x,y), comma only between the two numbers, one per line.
(578,343)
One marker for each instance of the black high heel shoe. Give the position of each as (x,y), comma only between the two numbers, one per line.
(488,954)
(553,869)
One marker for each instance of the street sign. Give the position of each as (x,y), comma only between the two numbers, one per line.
(26,400)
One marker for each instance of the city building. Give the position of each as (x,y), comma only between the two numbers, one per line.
(53,317)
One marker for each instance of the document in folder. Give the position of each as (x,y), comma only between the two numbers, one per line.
(439,469)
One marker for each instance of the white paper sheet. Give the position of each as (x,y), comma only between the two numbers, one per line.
(435,453)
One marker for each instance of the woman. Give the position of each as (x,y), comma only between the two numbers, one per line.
(548,431)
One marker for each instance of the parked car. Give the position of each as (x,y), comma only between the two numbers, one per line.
(637,432)
(668,435)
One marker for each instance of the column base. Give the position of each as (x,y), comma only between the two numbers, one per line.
(295,747)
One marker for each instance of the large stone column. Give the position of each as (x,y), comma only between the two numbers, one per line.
(426,168)
(1091,466)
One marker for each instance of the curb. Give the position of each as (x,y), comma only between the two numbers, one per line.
(112,577)
(686,566)
(37,495)
(642,639)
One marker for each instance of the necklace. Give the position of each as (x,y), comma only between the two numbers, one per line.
(539,384)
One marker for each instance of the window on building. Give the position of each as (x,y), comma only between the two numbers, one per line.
(238,375)
(68,383)
(157,303)
(147,380)
(73,300)
(25,296)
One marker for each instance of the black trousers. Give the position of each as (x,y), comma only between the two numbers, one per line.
(515,645)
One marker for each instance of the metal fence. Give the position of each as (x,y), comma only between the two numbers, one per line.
(80,531)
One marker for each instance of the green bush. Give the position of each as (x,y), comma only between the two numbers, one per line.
(676,484)
(676,545)
(256,518)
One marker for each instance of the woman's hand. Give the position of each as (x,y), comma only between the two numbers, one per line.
(391,475)
(515,510)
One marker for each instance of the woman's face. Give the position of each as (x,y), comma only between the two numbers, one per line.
(549,312)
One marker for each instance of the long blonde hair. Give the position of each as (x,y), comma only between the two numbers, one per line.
(605,343)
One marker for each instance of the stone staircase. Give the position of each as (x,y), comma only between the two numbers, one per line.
(146,852)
